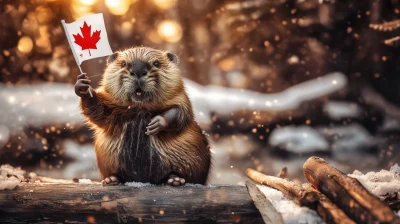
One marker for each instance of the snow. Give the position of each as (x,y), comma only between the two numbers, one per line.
(306,139)
(301,139)
(338,109)
(84,164)
(380,183)
(10,177)
(85,181)
(211,98)
(138,184)
(39,105)
(4,135)
(348,138)
(291,212)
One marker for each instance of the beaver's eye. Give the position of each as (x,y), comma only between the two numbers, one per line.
(157,64)
(123,64)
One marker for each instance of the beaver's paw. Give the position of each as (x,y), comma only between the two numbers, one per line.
(174,180)
(112,180)
(157,124)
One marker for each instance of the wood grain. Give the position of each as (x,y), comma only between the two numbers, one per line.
(347,193)
(77,203)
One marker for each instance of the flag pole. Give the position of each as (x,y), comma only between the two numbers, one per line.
(73,52)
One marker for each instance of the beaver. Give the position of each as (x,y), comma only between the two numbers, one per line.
(143,121)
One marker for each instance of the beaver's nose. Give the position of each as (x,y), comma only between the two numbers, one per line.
(139,69)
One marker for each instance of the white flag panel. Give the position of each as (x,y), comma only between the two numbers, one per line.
(96,23)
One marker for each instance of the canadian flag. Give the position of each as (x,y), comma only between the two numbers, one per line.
(88,38)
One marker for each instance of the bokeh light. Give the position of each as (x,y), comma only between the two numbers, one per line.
(87,2)
(170,31)
(44,15)
(126,29)
(43,41)
(153,36)
(165,4)
(118,7)
(79,9)
(25,45)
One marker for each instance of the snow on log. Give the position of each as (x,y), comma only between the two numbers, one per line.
(384,184)
(222,100)
(347,193)
(79,203)
(380,183)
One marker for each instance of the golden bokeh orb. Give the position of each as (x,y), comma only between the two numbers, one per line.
(165,4)
(87,2)
(169,31)
(25,45)
(118,7)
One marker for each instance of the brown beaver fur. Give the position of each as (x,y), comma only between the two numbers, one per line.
(143,121)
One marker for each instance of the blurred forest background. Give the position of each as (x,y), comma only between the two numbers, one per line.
(272,81)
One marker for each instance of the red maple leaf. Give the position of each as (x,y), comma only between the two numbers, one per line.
(87,40)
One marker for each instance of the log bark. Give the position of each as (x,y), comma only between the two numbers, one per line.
(47,203)
(303,196)
(347,193)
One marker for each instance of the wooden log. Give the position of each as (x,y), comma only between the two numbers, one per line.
(78,203)
(267,210)
(347,193)
(329,211)
(303,196)
(288,188)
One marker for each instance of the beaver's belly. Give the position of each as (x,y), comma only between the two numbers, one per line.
(139,160)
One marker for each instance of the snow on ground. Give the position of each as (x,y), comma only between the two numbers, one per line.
(291,212)
(338,109)
(138,184)
(301,139)
(84,164)
(305,139)
(348,138)
(380,183)
(10,177)
(39,105)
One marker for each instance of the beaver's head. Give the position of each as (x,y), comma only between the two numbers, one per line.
(142,75)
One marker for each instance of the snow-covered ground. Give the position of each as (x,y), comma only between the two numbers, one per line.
(301,139)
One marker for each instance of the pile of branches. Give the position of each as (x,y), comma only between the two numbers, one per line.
(336,197)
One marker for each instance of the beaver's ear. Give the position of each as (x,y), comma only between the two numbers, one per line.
(173,58)
(112,58)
